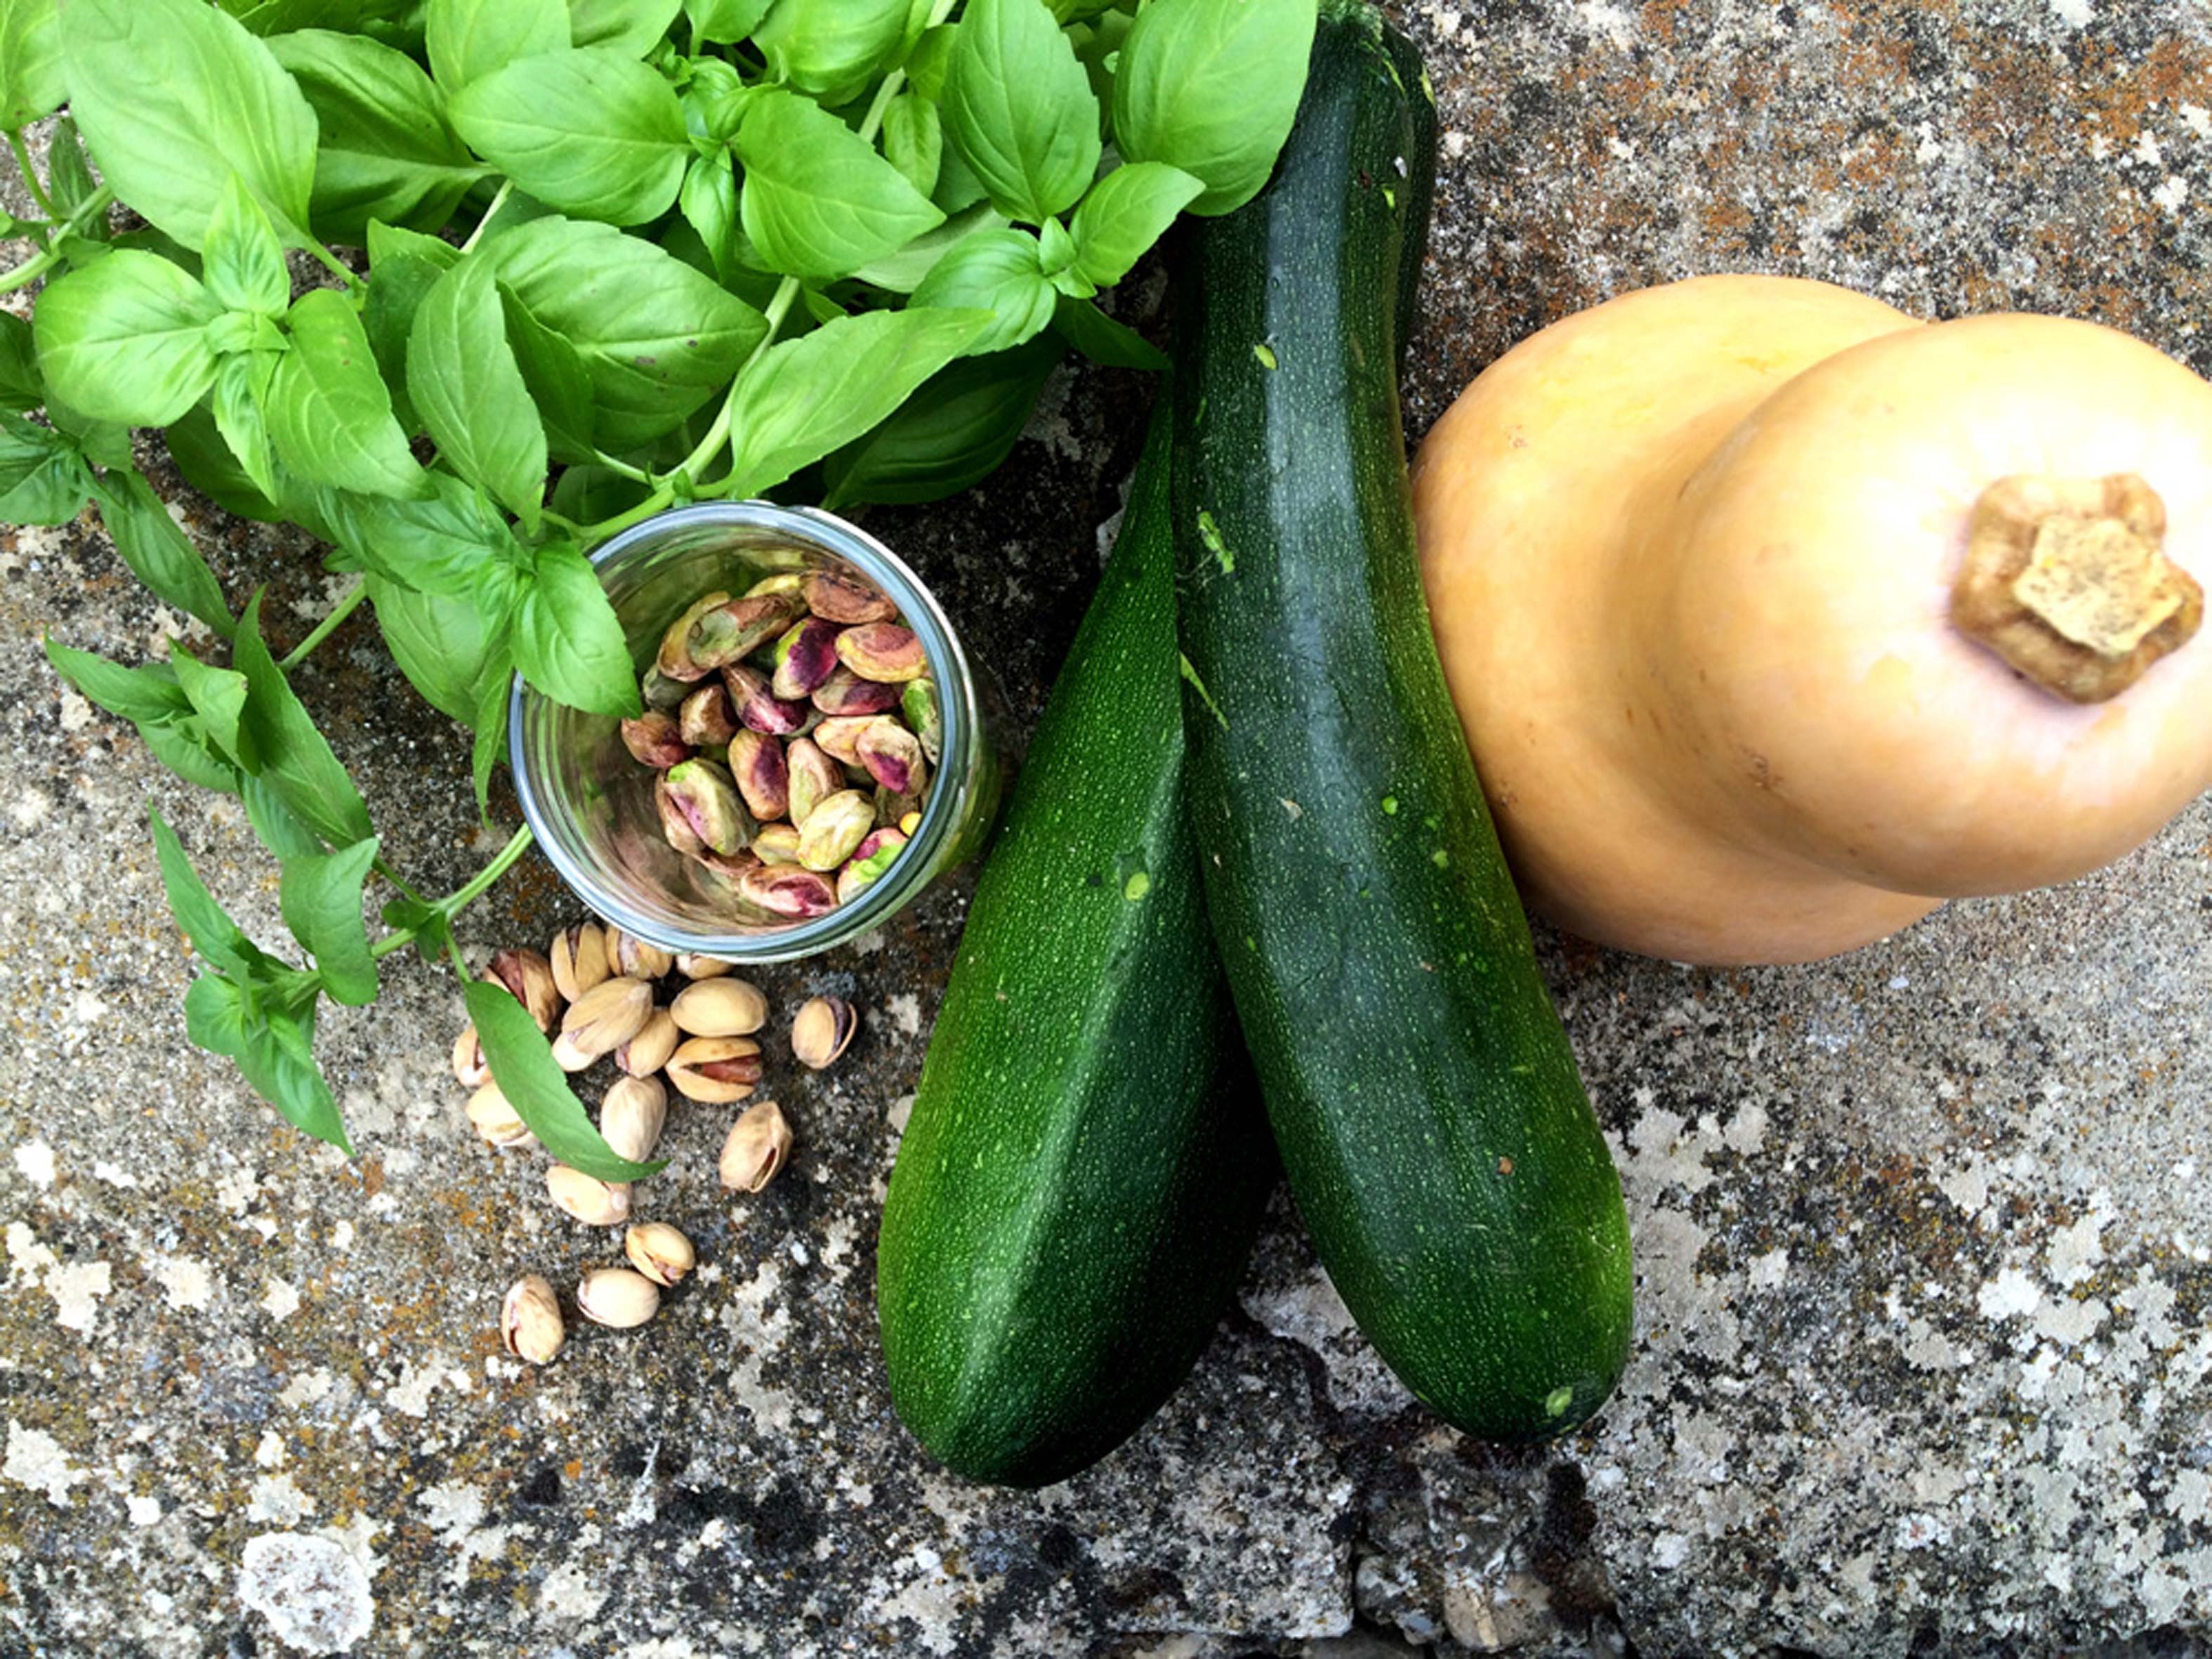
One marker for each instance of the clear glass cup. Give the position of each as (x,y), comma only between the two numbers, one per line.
(590,803)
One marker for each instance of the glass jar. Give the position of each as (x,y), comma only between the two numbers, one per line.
(590,803)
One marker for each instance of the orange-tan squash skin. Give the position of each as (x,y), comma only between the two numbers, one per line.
(1690,555)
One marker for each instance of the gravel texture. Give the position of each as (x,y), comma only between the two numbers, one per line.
(1924,1235)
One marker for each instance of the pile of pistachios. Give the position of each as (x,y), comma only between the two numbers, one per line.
(598,994)
(793,727)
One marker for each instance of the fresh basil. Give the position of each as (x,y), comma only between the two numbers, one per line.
(1210,87)
(320,896)
(590,130)
(330,417)
(271,1046)
(626,26)
(709,201)
(467,38)
(126,338)
(567,640)
(999,271)
(406,267)
(43,477)
(243,263)
(1125,212)
(831,49)
(914,140)
(296,759)
(952,433)
(32,81)
(440,644)
(158,552)
(22,387)
(1100,338)
(222,941)
(721,22)
(817,201)
(1019,108)
(463,377)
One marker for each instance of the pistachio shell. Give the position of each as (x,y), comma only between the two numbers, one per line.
(530,1325)
(496,1119)
(638,959)
(528,977)
(659,1251)
(469,1066)
(692,966)
(649,1051)
(846,599)
(821,1031)
(607,1016)
(594,1202)
(568,1057)
(758,1144)
(715,1071)
(618,1298)
(579,957)
(719,1007)
(631,1115)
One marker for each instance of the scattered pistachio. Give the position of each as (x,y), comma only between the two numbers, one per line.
(845,599)
(823,1030)
(528,978)
(882,651)
(469,1066)
(607,1016)
(496,1119)
(616,1297)
(762,778)
(659,1251)
(836,825)
(846,693)
(715,1071)
(694,966)
(777,843)
(804,657)
(892,756)
(721,635)
(649,1051)
(788,890)
(594,1202)
(700,811)
(568,1057)
(870,859)
(811,774)
(579,957)
(706,721)
(631,1115)
(839,738)
(674,660)
(656,738)
(758,1144)
(719,1007)
(638,959)
(529,1320)
(918,703)
(759,709)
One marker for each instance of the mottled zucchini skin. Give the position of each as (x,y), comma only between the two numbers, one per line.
(1083,1174)
(1436,1133)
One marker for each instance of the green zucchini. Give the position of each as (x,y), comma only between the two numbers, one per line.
(1082,1176)
(1422,1094)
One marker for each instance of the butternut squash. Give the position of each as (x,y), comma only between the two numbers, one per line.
(1775,617)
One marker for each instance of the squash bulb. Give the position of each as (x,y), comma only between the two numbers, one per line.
(1775,617)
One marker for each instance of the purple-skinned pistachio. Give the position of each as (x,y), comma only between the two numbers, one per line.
(892,756)
(805,656)
(925,718)
(777,843)
(845,599)
(656,738)
(846,693)
(837,824)
(788,890)
(882,651)
(812,776)
(674,660)
(759,709)
(870,859)
(839,737)
(757,763)
(731,867)
(700,811)
(706,721)
(722,635)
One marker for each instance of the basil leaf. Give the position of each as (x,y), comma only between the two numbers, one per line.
(296,760)
(174,97)
(271,1049)
(1125,212)
(559,384)
(1210,87)
(589,494)
(43,478)
(158,552)
(242,261)
(31,81)
(22,388)
(320,896)
(522,1064)
(567,641)
(721,22)
(925,65)
(386,149)
(589,130)
(832,48)
(468,38)
(182,747)
(957,186)
(126,340)
(277,824)
(1019,108)
(196,443)
(995,270)
(388,241)
(448,541)
(242,388)
(69,180)
(955,431)
(1100,338)
(137,695)
(709,201)
(206,924)
(490,748)
(914,140)
(431,926)
(218,697)
(629,26)
(818,202)
(329,414)
(714,101)
(902,271)
(656,338)
(462,375)
(441,644)
(404,267)
(801,399)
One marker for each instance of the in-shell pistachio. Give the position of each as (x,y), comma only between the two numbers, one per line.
(530,1325)
(846,693)
(649,1051)
(469,1066)
(618,1298)
(892,756)
(763,778)
(840,740)
(607,1016)
(869,860)
(700,811)
(568,1057)
(777,843)
(656,738)
(727,632)
(758,1144)
(715,1071)
(528,978)
(924,716)
(845,599)
(811,774)
(494,1117)
(693,966)
(706,719)
(759,709)
(594,1202)
(659,1251)
(838,823)
(637,958)
(823,1030)
(631,1115)
(882,651)
(579,957)
(805,656)
(674,660)
(719,1007)
(790,890)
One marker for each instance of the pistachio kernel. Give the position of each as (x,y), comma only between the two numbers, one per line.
(656,738)
(674,660)
(892,756)
(777,843)
(764,778)
(836,825)
(805,658)
(706,719)
(848,693)
(882,651)
(845,599)
(810,774)
(789,890)
(759,709)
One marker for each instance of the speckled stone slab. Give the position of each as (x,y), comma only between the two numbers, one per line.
(1924,1236)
